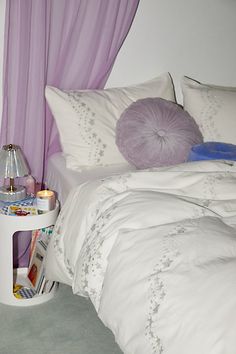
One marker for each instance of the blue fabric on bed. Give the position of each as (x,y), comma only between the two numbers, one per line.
(212,151)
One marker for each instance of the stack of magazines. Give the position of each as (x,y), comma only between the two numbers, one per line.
(36,271)
(21,207)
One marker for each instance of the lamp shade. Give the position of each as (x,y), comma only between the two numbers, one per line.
(12,162)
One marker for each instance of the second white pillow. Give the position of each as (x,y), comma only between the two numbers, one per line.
(213,108)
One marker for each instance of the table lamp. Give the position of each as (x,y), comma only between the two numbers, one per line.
(12,165)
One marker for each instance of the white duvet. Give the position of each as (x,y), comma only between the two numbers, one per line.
(156,253)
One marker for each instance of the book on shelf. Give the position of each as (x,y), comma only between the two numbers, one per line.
(34,236)
(36,267)
(36,271)
(43,235)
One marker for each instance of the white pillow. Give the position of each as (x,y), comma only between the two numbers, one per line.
(86,119)
(213,108)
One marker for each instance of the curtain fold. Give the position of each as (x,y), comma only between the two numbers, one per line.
(71,44)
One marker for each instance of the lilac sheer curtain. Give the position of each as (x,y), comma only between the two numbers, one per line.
(68,44)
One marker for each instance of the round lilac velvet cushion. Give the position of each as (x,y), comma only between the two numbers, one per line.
(154,132)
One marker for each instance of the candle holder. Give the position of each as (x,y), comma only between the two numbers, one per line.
(45,200)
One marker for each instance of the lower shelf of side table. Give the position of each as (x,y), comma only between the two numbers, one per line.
(8,226)
(20,277)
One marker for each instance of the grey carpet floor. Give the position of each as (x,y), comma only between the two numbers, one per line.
(67,324)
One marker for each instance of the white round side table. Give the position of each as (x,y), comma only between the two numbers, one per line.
(8,226)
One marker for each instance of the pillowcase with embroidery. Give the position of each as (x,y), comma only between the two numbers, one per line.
(213,108)
(86,119)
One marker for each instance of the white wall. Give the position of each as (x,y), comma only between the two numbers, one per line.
(196,38)
(185,37)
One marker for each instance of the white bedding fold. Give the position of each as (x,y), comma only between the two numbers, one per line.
(151,249)
(172,291)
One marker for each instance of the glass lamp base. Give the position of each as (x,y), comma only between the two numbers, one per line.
(7,196)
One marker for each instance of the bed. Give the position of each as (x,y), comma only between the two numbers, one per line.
(153,247)
(62,179)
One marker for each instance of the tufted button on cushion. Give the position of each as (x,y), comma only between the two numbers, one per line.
(154,132)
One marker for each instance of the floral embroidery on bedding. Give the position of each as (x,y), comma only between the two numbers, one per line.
(57,239)
(88,133)
(92,264)
(122,182)
(210,184)
(157,288)
(207,116)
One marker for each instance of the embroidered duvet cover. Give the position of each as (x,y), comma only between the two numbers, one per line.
(155,251)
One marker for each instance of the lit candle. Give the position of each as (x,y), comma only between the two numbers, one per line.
(45,200)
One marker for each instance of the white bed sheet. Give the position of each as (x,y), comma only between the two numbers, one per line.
(61,179)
